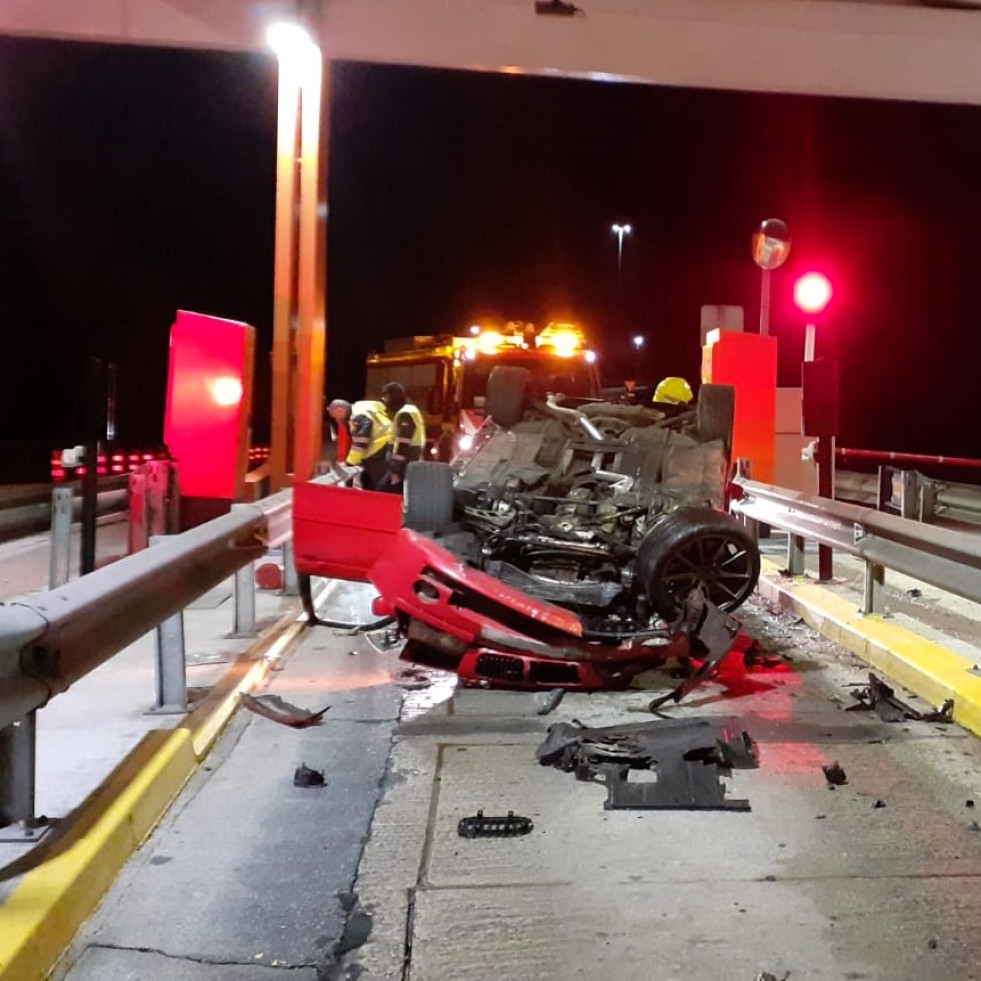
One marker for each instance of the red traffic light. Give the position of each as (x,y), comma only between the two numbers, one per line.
(812,292)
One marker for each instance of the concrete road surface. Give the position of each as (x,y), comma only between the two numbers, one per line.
(366,877)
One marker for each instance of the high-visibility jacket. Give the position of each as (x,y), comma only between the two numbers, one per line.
(409,431)
(371,431)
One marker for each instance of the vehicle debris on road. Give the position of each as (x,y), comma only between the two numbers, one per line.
(305,776)
(480,826)
(882,699)
(276,709)
(688,757)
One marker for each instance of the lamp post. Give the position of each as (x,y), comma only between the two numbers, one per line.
(299,325)
(620,231)
(770,246)
(812,294)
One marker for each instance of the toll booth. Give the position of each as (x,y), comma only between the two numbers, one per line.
(748,362)
(209,405)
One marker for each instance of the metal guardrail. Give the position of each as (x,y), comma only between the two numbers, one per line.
(21,514)
(947,559)
(50,641)
(912,495)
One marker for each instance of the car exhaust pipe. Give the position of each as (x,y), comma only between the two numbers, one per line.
(580,418)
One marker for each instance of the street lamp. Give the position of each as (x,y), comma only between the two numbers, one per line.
(638,342)
(620,231)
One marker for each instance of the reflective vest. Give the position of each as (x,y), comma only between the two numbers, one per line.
(371,430)
(418,438)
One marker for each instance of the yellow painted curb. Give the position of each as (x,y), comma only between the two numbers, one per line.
(41,916)
(932,671)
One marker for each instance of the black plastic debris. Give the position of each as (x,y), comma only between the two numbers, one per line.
(716,631)
(686,756)
(881,699)
(550,701)
(834,774)
(278,710)
(480,826)
(304,776)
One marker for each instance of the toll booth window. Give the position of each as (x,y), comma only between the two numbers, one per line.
(570,376)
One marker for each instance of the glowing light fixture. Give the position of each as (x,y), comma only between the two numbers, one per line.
(812,292)
(226,390)
(290,40)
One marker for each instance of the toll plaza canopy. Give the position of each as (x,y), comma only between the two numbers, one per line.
(898,50)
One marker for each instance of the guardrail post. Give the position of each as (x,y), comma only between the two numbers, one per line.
(795,555)
(291,582)
(875,581)
(18,751)
(138,538)
(244,625)
(929,493)
(61,536)
(157,485)
(170,662)
(909,501)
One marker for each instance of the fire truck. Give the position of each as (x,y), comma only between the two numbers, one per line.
(446,375)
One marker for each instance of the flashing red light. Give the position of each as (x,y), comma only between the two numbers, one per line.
(812,292)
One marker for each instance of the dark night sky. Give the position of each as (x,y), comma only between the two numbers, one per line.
(137,181)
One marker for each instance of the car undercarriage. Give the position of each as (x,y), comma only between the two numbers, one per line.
(573,545)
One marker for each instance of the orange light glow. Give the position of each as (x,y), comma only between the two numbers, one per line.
(565,340)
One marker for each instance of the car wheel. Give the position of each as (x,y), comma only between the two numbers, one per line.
(506,389)
(428,496)
(714,414)
(698,547)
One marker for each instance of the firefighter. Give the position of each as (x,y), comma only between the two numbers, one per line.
(371,436)
(408,434)
(673,391)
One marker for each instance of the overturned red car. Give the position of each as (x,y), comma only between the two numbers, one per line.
(574,546)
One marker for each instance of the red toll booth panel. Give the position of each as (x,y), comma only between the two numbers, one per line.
(748,362)
(209,402)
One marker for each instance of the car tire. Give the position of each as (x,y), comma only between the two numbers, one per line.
(698,547)
(428,496)
(507,386)
(715,413)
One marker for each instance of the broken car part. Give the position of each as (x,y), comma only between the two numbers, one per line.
(278,710)
(881,699)
(686,756)
(494,827)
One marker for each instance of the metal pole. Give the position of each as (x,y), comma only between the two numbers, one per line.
(61,536)
(826,488)
(93,415)
(809,342)
(18,754)
(311,336)
(284,292)
(244,625)
(170,662)
(875,579)
(765,303)
(795,555)
(291,581)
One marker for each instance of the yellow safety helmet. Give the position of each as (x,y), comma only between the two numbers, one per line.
(673,390)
